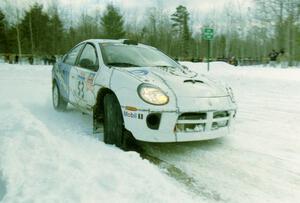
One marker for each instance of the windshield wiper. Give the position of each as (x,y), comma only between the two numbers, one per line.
(120,64)
(163,66)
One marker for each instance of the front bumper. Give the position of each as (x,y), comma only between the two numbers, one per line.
(175,128)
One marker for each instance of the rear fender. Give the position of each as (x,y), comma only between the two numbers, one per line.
(61,74)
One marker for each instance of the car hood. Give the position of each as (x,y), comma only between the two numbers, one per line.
(184,83)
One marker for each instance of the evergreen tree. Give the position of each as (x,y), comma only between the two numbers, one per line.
(181,19)
(56,38)
(87,27)
(71,38)
(11,41)
(3,40)
(112,23)
(35,30)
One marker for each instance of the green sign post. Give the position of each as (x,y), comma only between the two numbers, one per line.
(208,34)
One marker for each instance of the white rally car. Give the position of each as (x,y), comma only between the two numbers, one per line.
(139,93)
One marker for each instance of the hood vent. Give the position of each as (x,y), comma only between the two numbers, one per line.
(193,81)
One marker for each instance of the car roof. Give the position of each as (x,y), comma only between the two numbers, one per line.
(115,41)
(105,40)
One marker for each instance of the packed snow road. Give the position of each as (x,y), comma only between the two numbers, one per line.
(46,156)
(260,161)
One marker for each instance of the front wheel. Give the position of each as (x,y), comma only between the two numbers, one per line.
(58,101)
(114,132)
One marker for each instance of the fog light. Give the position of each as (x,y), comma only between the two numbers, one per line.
(153,120)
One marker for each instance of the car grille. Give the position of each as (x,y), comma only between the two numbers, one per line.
(202,121)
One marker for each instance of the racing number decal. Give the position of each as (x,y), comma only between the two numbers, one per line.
(80,88)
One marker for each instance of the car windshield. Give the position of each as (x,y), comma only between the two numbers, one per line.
(122,55)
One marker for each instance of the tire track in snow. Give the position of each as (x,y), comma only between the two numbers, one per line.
(173,171)
(183,178)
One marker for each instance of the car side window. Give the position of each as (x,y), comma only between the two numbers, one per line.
(88,58)
(72,55)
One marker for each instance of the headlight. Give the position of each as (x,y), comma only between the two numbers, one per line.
(230,92)
(152,95)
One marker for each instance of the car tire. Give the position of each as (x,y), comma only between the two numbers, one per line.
(114,131)
(58,101)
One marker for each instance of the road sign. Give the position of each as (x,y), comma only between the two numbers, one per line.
(208,34)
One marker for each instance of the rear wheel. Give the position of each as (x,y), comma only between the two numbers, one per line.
(58,101)
(114,131)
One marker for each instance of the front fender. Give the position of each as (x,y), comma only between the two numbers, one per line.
(125,87)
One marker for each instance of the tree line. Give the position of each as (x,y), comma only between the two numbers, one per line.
(274,24)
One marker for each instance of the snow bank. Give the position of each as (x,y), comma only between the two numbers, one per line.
(259,71)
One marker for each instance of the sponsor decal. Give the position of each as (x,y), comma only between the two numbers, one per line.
(130,108)
(81,76)
(139,72)
(140,116)
(171,71)
(89,82)
(133,115)
(80,89)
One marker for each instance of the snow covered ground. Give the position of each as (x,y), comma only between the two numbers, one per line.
(46,156)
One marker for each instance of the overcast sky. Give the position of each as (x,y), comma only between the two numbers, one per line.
(201,5)
(78,5)
(138,8)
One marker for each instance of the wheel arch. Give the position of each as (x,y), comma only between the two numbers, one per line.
(128,140)
(98,108)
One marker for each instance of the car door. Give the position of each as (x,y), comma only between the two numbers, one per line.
(67,67)
(87,66)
